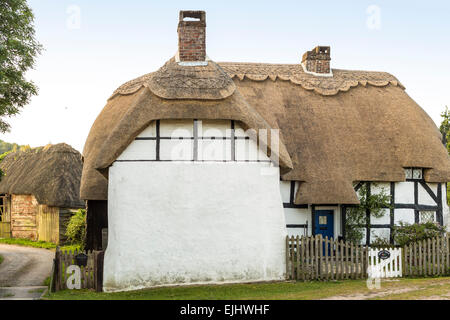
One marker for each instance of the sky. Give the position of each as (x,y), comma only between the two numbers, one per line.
(92,47)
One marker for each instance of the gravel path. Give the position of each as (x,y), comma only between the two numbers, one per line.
(23,271)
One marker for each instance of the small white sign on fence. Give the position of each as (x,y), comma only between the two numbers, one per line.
(385,263)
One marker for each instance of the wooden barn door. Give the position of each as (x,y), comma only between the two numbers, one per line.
(48,224)
(5,216)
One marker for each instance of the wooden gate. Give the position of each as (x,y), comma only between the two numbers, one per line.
(385,263)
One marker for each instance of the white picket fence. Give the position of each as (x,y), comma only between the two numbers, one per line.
(385,263)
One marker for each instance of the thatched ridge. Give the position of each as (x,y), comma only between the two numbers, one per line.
(353,126)
(51,173)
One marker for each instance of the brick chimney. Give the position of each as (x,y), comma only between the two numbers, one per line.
(317,60)
(192,36)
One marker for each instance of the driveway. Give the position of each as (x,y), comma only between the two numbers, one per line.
(24,271)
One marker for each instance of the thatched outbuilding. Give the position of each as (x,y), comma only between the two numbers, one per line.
(330,132)
(40,191)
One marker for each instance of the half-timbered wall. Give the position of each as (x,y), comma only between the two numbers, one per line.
(413,201)
(194,140)
(193,202)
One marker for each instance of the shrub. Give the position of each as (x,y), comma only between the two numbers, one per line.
(380,242)
(405,234)
(76,228)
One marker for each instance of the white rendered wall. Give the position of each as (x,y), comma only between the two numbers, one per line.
(190,222)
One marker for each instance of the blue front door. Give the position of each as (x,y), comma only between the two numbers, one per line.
(324,223)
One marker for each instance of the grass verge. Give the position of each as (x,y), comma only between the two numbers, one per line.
(37,244)
(1,259)
(258,291)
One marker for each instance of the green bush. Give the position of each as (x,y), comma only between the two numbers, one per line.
(380,243)
(405,234)
(76,228)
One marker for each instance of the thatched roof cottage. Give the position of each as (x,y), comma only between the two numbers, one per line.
(40,191)
(200,169)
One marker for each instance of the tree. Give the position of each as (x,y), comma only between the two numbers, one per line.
(445,131)
(18,50)
(445,128)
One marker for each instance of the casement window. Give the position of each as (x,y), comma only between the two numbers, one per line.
(427,216)
(195,140)
(414,173)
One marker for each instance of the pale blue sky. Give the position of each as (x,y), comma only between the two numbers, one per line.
(119,40)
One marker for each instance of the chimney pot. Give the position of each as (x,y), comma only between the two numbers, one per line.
(317,60)
(192,36)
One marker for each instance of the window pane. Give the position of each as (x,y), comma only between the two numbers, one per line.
(323,220)
(176,149)
(408,173)
(417,174)
(427,216)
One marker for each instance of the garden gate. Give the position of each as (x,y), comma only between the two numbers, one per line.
(385,263)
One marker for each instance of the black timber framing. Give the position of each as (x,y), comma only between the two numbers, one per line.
(195,147)
(415,206)
(392,214)
(291,203)
(368,225)
(313,218)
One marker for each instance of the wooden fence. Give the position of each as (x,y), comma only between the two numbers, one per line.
(91,274)
(5,229)
(318,258)
(427,258)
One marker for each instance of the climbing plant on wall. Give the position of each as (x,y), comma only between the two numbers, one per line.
(356,217)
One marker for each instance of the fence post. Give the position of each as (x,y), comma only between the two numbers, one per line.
(98,270)
(332,259)
(297,257)
(287,259)
(302,257)
(447,252)
(57,271)
(53,277)
(320,256)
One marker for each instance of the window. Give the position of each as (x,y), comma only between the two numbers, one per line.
(427,216)
(414,173)
(322,220)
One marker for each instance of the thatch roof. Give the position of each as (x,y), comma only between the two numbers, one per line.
(51,173)
(200,92)
(353,126)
